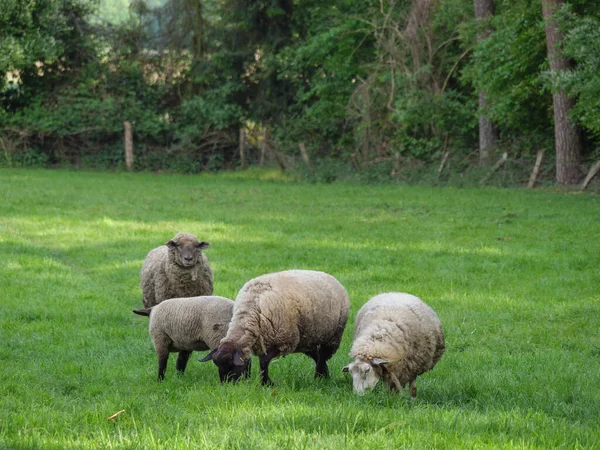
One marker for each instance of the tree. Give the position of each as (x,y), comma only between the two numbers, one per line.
(484,9)
(567,137)
(583,82)
(44,45)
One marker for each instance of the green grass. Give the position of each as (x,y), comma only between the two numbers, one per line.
(514,275)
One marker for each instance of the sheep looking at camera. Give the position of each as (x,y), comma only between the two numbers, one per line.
(294,311)
(397,337)
(187,324)
(176,269)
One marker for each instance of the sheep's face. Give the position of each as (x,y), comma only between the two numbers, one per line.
(230,363)
(364,375)
(185,249)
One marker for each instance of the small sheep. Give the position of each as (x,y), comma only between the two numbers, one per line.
(396,338)
(176,269)
(295,311)
(187,324)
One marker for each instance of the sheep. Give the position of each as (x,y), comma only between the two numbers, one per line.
(294,311)
(396,338)
(176,269)
(187,324)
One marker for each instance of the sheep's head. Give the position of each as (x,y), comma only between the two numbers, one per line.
(365,374)
(230,362)
(185,249)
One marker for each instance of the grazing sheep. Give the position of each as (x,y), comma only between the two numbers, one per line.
(176,269)
(295,311)
(397,337)
(187,324)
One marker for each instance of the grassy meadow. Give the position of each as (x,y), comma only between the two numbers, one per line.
(514,276)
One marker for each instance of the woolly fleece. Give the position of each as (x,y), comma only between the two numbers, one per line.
(188,324)
(402,329)
(164,275)
(293,311)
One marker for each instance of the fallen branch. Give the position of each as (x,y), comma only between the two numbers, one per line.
(536,168)
(591,174)
(115,415)
(495,168)
(469,156)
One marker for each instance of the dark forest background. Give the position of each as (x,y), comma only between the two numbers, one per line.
(380,90)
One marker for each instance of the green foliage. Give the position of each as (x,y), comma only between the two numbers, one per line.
(450,112)
(355,82)
(324,69)
(581,37)
(508,67)
(43,44)
(520,313)
(114,11)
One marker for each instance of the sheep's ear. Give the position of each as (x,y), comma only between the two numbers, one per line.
(202,245)
(379,361)
(209,356)
(143,312)
(171,244)
(346,369)
(237,358)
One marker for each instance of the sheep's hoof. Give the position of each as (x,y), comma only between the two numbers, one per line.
(322,372)
(413,389)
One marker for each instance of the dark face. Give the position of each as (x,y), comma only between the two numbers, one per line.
(228,360)
(187,250)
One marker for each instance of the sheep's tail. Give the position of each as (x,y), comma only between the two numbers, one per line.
(142,312)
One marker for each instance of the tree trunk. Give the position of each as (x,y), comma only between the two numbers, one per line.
(567,136)
(484,9)
(194,21)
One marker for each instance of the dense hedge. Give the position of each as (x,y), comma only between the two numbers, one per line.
(371,89)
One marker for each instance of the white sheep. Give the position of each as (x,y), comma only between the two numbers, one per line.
(176,269)
(396,338)
(295,311)
(187,324)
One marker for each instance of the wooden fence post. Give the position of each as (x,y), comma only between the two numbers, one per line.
(265,138)
(536,168)
(443,163)
(591,174)
(128,146)
(243,147)
(496,167)
(305,156)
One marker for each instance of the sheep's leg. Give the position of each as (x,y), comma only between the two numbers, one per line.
(324,353)
(314,355)
(264,361)
(321,369)
(163,359)
(393,382)
(413,388)
(182,361)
